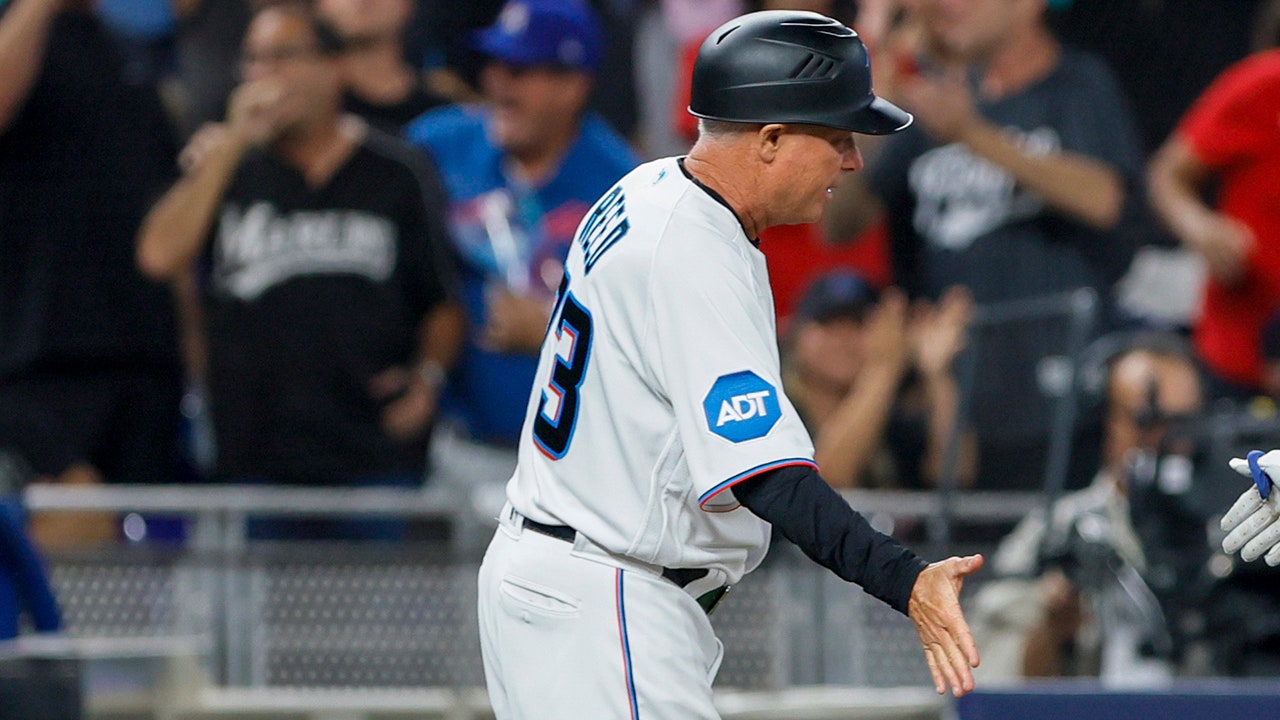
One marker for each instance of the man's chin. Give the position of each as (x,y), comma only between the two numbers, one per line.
(506,136)
(511,145)
(810,215)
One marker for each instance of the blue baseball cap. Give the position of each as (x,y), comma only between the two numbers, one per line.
(837,294)
(566,33)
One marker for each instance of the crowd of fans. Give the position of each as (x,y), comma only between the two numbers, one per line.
(331,233)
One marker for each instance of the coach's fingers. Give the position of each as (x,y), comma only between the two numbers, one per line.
(961,651)
(952,667)
(963,636)
(965,566)
(935,600)
(961,667)
(935,609)
(951,677)
(949,671)
(939,680)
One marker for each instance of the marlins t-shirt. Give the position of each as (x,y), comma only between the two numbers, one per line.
(311,292)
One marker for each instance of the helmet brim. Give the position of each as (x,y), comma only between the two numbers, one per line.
(879,117)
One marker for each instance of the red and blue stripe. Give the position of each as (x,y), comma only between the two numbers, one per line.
(748,474)
(626,648)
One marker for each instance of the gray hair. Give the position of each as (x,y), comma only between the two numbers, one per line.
(717,129)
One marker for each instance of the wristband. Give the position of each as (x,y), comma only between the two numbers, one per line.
(1260,477)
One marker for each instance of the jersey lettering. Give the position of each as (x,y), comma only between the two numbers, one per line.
(553,426)
(743,407)
(262,246)
(605,225)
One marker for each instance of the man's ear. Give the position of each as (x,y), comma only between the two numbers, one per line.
(581,88)
(768,138)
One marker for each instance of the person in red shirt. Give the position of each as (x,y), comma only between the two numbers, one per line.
(1231,136)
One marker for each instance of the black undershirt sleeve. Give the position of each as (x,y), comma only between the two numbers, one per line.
(804,508)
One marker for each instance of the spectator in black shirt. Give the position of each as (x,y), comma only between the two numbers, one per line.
(327,297)
(1016,181)
(89,371)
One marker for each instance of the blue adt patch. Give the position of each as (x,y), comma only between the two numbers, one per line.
(741,406)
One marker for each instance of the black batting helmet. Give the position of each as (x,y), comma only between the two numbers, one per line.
(793,67)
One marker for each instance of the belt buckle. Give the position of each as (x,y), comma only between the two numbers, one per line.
(686,578)
(709,600)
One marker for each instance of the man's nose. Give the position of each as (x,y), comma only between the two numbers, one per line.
(852,160)
(498,73)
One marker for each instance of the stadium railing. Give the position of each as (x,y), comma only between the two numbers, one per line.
(259,625)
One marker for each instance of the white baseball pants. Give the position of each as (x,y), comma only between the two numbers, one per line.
(568,631)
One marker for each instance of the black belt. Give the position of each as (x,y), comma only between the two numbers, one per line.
(680,576)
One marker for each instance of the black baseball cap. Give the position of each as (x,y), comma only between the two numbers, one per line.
(837,294)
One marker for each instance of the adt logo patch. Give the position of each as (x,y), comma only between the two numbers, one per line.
(741,406)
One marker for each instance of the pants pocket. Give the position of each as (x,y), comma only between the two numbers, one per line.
(520,596)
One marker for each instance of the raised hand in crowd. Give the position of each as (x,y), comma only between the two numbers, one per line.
(259,109)
(256,112)
(943,104)
(886,334)
(514,323)
(848,374)
(936,335)
(937,332)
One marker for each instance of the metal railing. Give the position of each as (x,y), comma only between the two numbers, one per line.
(1076,312)
(397,615)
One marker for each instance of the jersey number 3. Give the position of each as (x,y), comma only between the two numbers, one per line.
(553,426)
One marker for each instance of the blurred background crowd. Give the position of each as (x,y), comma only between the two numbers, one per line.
(317,243)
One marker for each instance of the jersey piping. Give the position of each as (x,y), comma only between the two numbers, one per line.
(747,475)
(717,197)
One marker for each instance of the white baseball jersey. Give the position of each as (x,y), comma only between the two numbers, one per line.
(658,386)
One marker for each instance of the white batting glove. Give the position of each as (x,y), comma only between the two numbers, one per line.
(1253,523)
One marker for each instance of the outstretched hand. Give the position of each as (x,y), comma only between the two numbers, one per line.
(1253,523)
(934,608)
